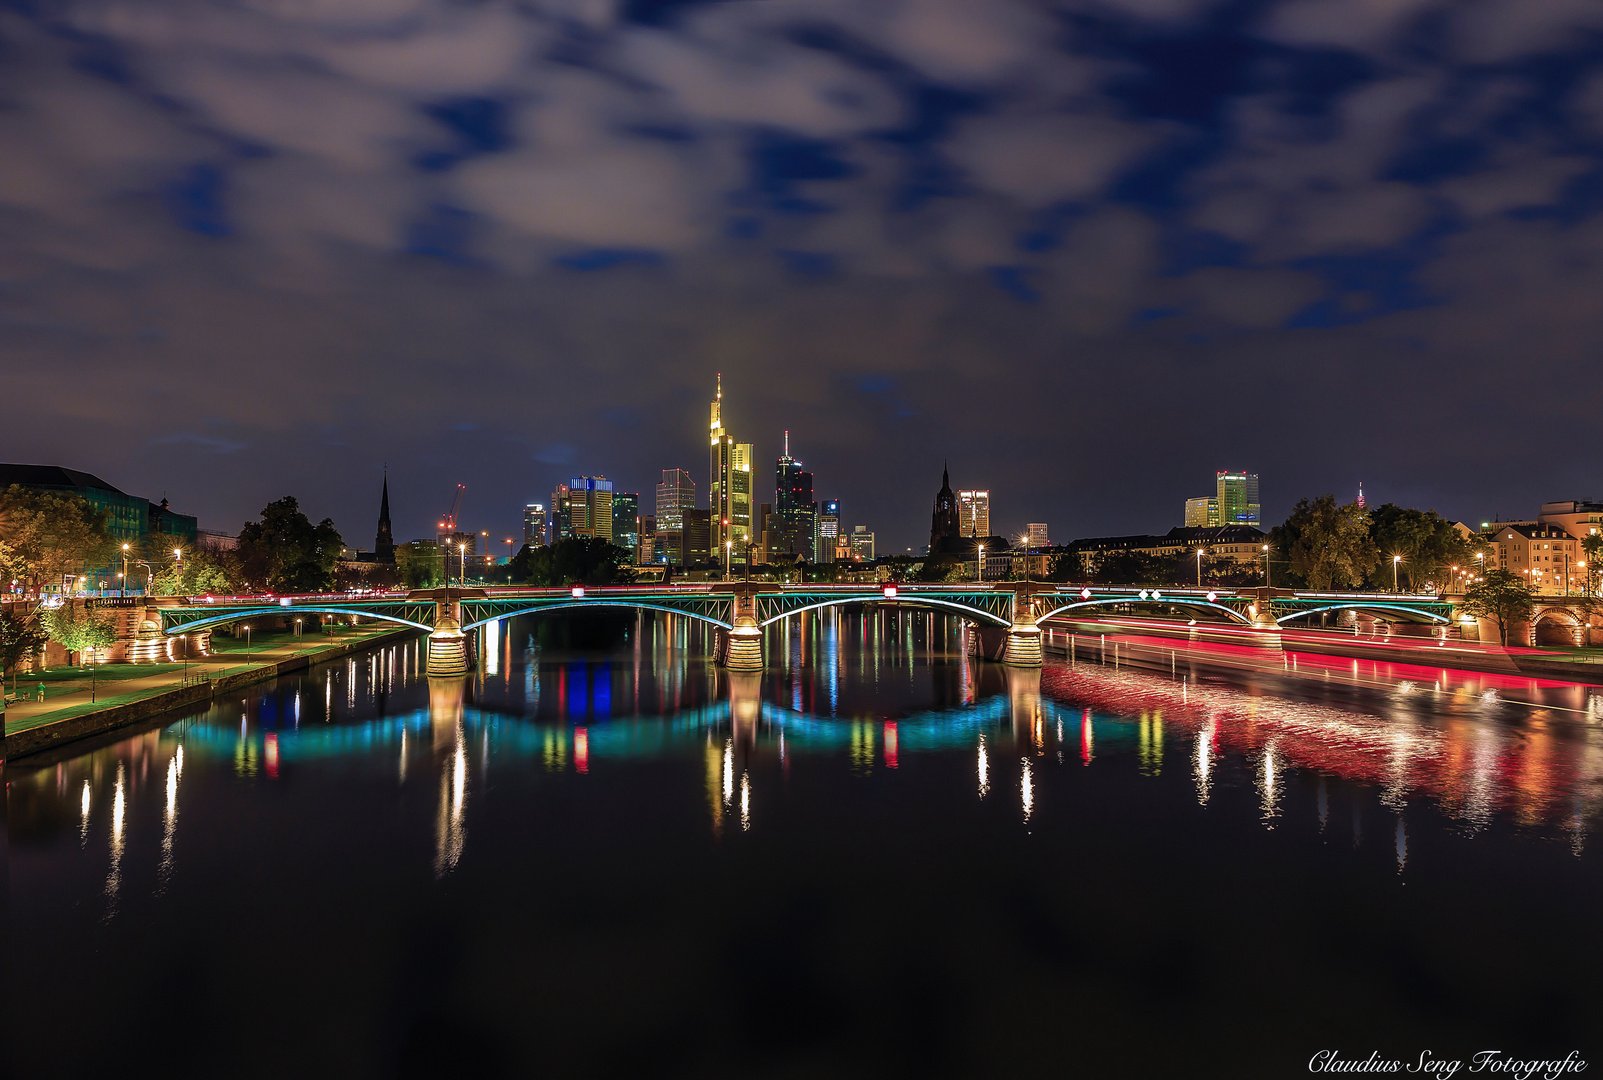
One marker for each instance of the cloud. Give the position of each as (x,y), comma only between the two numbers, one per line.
(1047,158)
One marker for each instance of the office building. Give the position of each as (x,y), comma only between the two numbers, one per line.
(728,486)
(974,513)
(1035,533)
(862,544)
(1237,493)
(797,512)
(675,494)
(534,524)
(828,531)
(698,538)
(129,518)
(626,520)
(561,518)
(1202,512)
(646,552)
(590,506)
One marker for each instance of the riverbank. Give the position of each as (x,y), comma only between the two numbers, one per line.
(32,726)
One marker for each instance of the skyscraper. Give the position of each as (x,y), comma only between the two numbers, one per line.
(728,486)
(1237,493)
(561,518)
(590,506)
(862,543)
(828,532)
(794,505)
(675,494)
(626,520)
(1035,532)
(974,513)
(534,524)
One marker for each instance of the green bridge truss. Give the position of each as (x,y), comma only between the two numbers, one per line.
(771,605)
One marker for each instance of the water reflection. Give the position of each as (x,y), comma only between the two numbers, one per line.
(558,709)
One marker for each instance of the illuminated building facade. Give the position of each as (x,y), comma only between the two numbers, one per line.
(794,507)
(1202,512)
(590,506)
(828,532)
(974,513)
(862,544)
(1035,534)
(534,524)
(626,520)
(728,486)
(1237,493)
(561,520)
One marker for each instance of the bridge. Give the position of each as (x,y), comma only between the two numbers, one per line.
(1003,616)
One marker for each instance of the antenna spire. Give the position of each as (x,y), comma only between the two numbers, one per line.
(720,386)
(787,442)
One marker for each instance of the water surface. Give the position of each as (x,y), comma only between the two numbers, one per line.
(602,855)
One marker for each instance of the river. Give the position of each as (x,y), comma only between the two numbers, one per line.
(602,855)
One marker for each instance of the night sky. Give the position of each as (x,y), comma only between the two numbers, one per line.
(1089,252)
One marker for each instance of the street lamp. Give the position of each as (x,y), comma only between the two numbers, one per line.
(462,571)
(729,557)
(1395,559)
(1200,552)
(1266,566)
(979,562)
(122,585)
(247,643)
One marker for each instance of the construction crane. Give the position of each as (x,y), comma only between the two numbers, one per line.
(448,525)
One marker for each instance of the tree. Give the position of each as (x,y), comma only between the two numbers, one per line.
(202,572)
(1502,596)
(422,570)
(1592,548)
(1329,545)
(286,553)
(20,636)
(50,534)
(75,627)
(573,560)
(1428,543)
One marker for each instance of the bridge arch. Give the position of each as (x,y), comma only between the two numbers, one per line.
(1557,626)
(537,609)
(1171,602)
(278,612)
(1373,609)
(905,600)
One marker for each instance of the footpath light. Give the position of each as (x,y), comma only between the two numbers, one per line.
(247,643)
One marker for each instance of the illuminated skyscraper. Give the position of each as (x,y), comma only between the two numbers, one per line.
(590,506)
(561,521)
(1035,531)
(828,532)
(534,524)
(728,487)
(794,506)
(676,497)
(675,494)
(974,513)
(1237,493)
(626,520)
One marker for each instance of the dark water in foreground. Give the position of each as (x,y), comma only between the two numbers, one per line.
(603,856)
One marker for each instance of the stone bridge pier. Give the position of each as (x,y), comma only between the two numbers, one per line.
(448,654)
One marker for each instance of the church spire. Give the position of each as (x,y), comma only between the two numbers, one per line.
(384,542)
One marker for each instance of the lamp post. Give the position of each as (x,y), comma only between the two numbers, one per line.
(1200,552)
(1395,559)
(122,589)
(729,557)
(462,570)
(150,575)
(247,643)
(297,629)
(979,562)
(1266,566)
